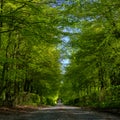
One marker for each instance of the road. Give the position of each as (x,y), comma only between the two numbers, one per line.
(60,113)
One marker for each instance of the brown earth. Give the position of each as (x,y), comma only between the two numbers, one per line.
(18,109)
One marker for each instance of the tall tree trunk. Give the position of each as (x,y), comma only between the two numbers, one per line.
(4,70)
(101,78)
(2,82)
(8,83)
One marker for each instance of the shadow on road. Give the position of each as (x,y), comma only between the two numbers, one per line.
(60,112)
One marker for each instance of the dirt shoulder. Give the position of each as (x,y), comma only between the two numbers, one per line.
(115,111)
(17,109)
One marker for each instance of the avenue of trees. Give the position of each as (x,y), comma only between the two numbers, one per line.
(93,76)
(35,35)
(29,58)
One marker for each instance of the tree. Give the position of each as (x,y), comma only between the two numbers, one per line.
(94,44)
(24,25)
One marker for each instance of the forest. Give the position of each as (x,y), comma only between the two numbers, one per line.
(38,36)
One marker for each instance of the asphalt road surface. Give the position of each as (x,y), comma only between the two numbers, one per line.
(60,113)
